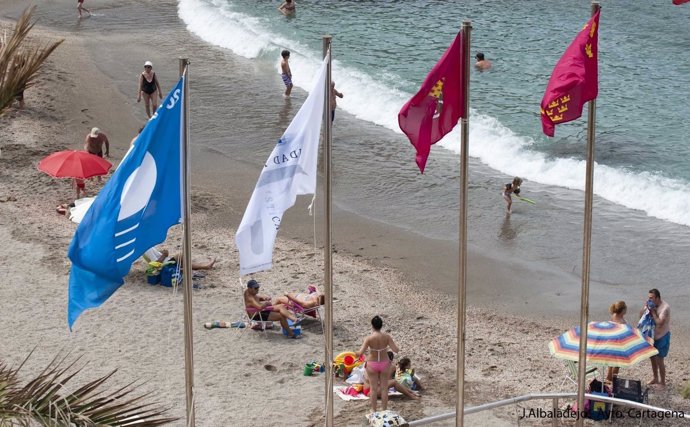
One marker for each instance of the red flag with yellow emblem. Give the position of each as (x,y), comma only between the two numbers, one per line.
(435,109)
(574,80)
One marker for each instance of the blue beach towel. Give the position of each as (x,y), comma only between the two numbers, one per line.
(646,324)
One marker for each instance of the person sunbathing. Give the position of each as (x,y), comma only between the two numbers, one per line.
(313,299)
(259,307)
(414,395)
(153,254)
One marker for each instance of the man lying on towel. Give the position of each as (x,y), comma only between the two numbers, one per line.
(259,307)
(306,300)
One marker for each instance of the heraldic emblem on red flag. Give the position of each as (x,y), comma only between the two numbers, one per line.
(435,109)
(574,80)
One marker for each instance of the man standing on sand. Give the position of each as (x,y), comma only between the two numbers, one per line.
(660,311)
(482,64)
(94,143)
(286,73)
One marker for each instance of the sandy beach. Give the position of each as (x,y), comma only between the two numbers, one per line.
(243,377)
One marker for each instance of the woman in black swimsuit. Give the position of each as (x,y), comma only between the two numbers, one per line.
(148,87)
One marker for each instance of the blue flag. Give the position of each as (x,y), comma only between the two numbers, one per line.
(132,212)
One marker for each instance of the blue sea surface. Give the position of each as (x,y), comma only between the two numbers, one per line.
(383,49)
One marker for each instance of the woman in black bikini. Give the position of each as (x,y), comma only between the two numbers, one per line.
(148,86)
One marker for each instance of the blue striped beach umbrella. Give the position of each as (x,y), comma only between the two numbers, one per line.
(608,344)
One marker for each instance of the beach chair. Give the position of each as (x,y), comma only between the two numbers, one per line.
(300,311)
(571,373)
(251,317)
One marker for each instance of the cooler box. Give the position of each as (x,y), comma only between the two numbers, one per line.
(599,410)
(169,272)
(629,390)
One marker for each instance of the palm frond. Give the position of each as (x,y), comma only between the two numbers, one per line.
(20,63)
(46,400)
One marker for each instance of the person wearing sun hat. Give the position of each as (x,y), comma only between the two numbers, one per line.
(149,88)
(94,143)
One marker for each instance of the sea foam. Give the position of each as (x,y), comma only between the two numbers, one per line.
(372,98)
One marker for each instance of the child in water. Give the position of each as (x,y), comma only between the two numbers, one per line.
(511,188)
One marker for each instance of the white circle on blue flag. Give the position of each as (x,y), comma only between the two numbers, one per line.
(138,188)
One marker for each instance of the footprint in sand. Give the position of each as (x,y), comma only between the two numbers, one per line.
(270,368)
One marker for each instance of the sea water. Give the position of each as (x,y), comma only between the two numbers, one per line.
(383,49)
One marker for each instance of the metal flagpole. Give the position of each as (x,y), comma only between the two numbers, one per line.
(462,309)
(327,253)
(187,249)
(586,249)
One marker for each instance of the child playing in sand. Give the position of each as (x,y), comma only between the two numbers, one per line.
(286,73)
(404,374)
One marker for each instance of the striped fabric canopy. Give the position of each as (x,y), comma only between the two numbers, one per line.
(608,343)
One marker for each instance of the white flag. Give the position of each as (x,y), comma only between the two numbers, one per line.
(289,171)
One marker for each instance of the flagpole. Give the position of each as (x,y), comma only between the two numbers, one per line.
(586,250)
(187,249)
(327,253)
(462,303)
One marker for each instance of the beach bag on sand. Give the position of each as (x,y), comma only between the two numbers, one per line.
(386,419)
(357,376)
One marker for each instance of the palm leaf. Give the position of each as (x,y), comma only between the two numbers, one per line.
(19,61)
(46,400)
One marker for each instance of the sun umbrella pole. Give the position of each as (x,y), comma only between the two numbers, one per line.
(187,249)
(586,250)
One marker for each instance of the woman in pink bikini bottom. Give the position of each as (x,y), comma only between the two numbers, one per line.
(378,364)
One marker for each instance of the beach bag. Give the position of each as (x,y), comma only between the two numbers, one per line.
(386,419)
(357,376)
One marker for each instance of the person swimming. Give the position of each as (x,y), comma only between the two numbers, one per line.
(287,8)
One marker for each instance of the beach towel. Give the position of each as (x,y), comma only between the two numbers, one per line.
(646,324)
(348,393)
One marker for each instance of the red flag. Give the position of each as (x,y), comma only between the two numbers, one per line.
(435,109)
(677,2)
(574,80)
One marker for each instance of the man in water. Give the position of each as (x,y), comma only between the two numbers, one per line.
(660,311)
(482,64)
(334,104)
(286,73)
(287,8)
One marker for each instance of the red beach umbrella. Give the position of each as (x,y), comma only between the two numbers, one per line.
(74,164)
